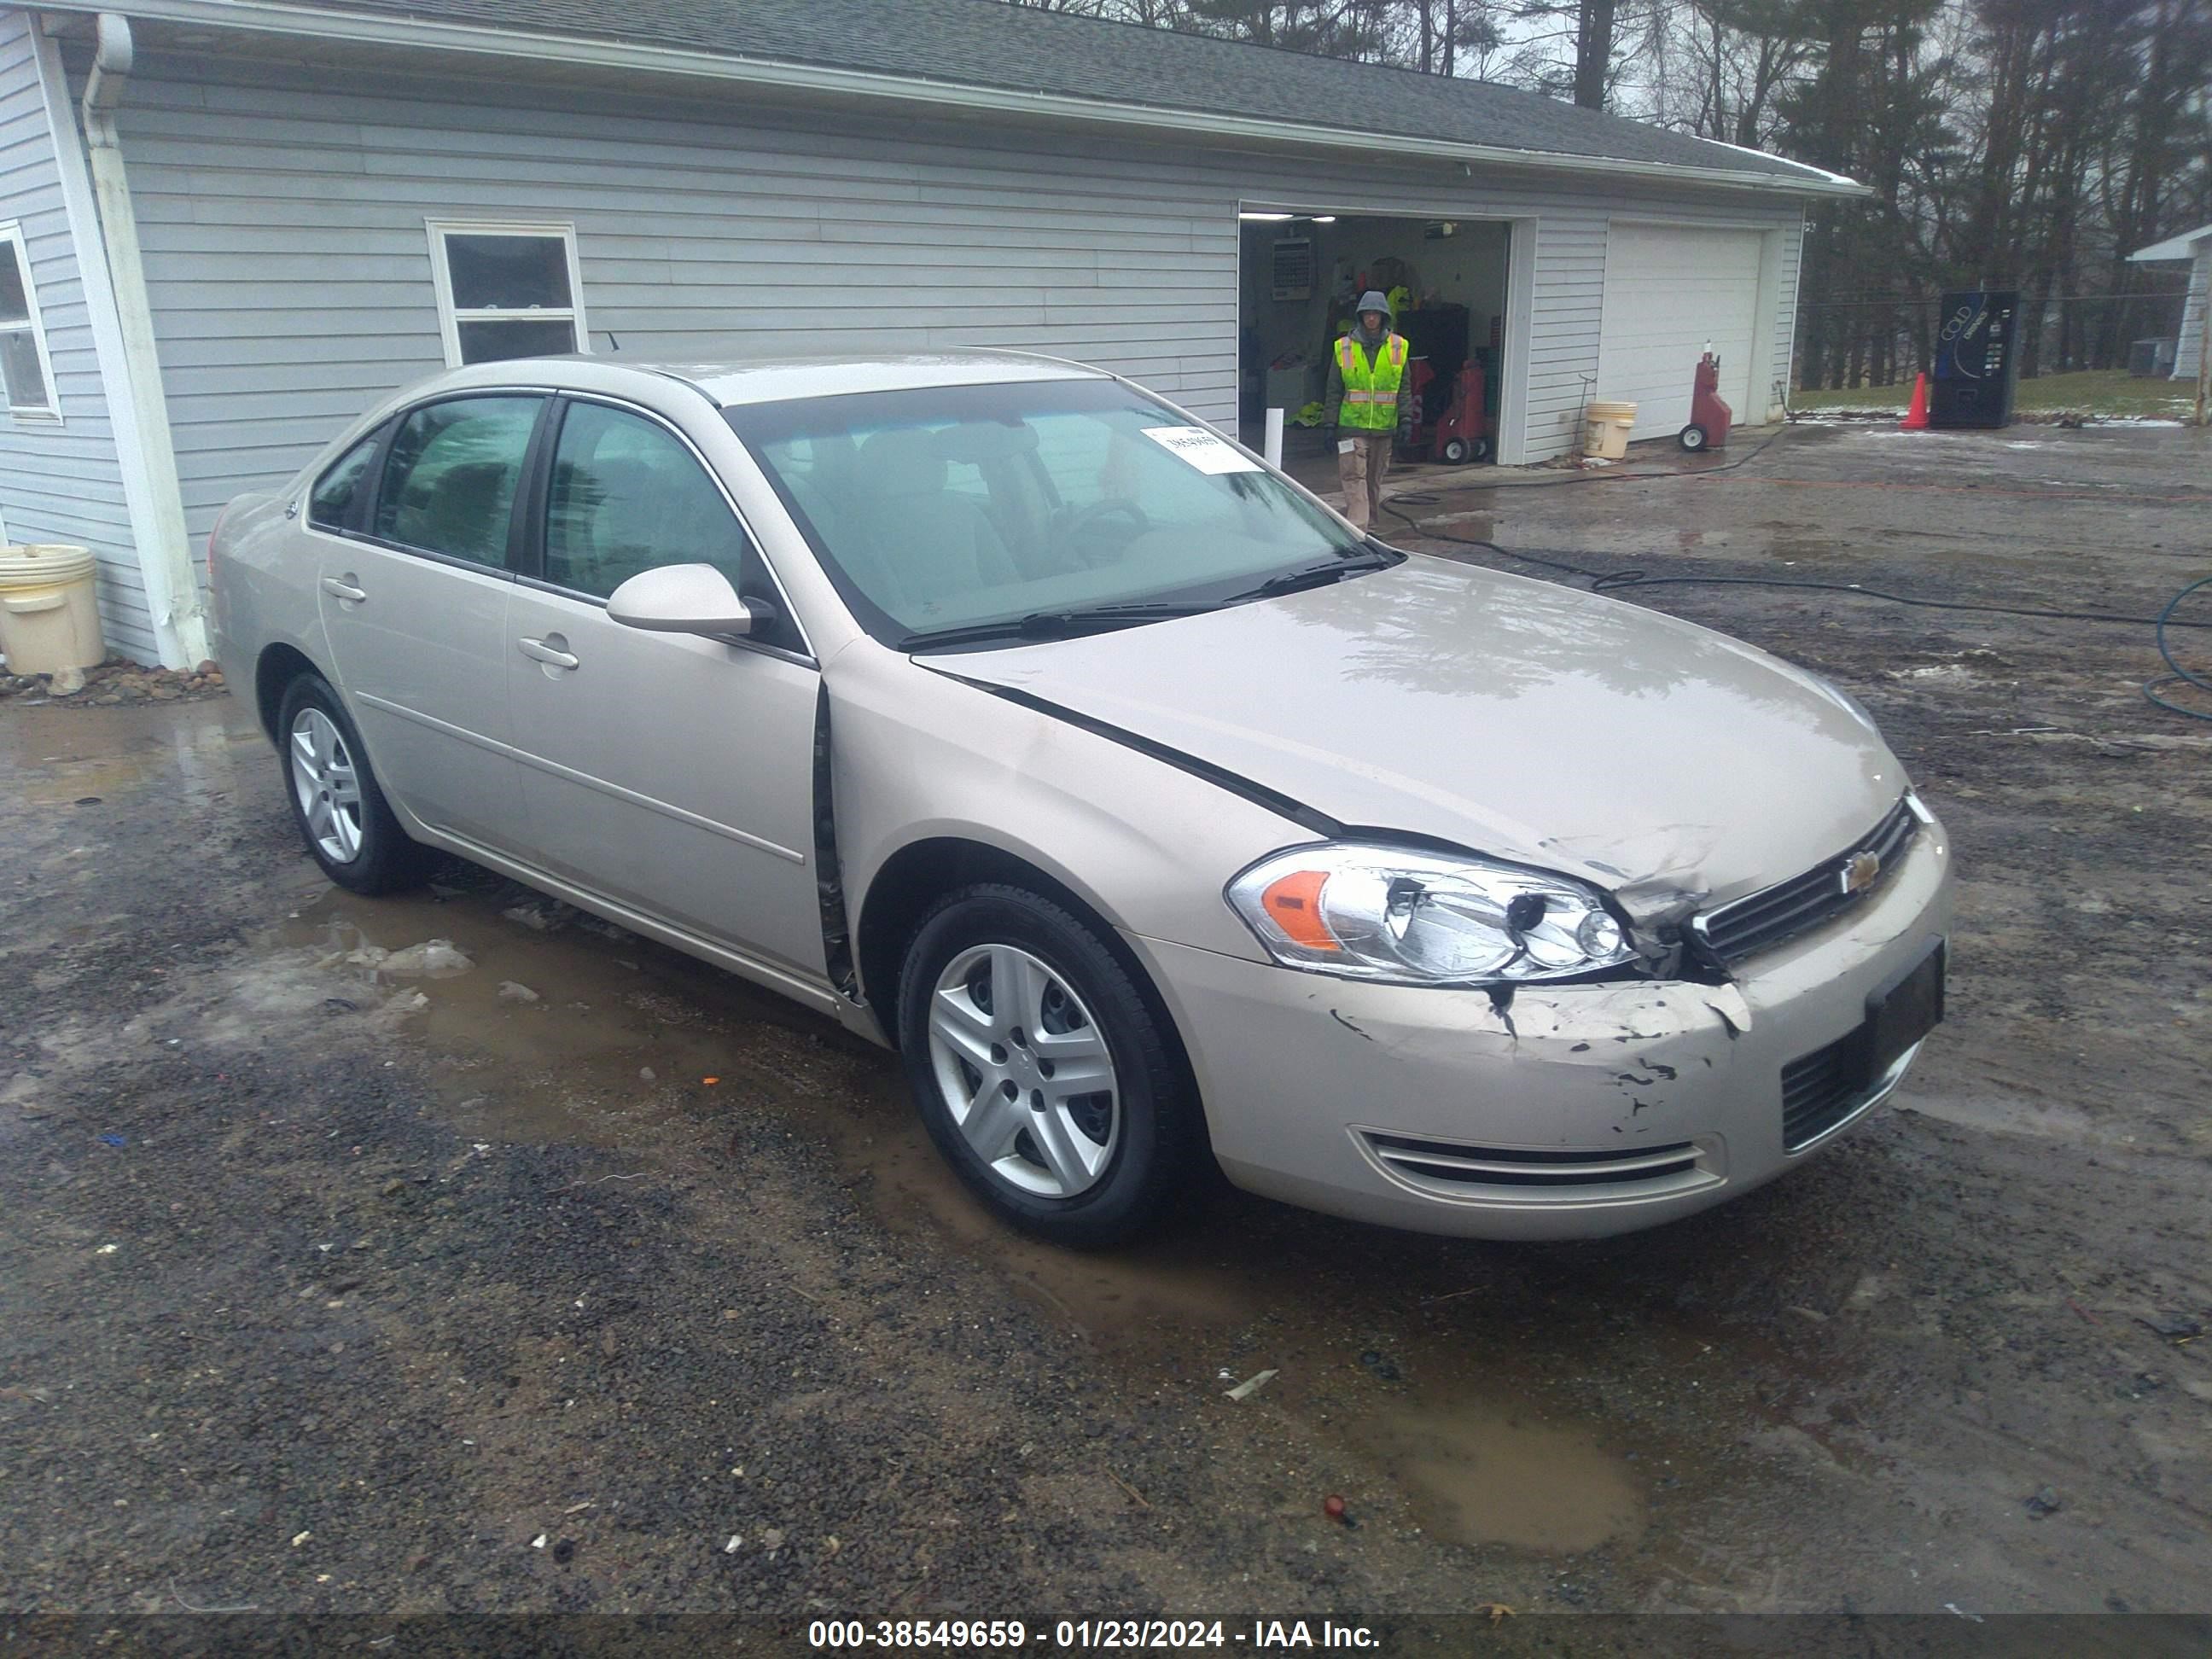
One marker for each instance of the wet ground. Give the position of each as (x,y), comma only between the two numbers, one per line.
(587,1277)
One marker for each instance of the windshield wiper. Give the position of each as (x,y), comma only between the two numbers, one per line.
(1052,624)
(1318,575)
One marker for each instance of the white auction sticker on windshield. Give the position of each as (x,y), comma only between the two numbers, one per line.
(1209,452)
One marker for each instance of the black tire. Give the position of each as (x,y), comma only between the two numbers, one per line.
(1161,1139)
(1693,437)
(1480,451)
(387,861)
(1455,452)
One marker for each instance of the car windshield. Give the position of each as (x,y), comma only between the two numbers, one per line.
(953,510)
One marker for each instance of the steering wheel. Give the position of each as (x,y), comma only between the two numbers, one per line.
(1083,517)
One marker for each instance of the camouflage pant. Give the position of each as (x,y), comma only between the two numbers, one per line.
(1361,468)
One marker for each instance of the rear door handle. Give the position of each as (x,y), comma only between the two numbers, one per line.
(342,587)
(548,651)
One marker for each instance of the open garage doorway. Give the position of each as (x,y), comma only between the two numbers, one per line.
(1301,276)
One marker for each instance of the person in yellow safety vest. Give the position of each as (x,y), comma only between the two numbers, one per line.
(1369,406)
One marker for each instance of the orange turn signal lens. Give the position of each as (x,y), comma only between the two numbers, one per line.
(1293,904)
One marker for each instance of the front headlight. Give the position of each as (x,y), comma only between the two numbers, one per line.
(1362,911)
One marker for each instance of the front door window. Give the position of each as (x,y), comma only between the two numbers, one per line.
(627,495)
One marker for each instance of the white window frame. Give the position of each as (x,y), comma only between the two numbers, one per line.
(450,319)
(11,232)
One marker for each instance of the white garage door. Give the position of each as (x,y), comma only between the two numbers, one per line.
(1668,290)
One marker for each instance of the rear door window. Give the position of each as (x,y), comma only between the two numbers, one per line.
(336,501)
(450,479)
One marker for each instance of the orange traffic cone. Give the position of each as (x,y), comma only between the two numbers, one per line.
(1915,417)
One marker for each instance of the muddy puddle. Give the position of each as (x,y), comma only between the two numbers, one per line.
(1484,1474)
(82,757)
(563,1029)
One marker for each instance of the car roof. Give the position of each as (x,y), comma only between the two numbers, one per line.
(774,377)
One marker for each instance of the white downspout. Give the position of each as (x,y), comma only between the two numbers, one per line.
(164,549)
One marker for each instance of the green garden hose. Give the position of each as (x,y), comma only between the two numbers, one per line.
(2180,675)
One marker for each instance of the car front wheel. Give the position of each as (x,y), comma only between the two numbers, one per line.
(1041,1071)
(340,812)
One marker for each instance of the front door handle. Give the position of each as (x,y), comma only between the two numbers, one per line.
(548,651)
(342,587)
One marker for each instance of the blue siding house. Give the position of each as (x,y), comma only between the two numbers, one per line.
(227,225)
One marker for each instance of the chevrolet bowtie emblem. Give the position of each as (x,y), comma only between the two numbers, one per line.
(1859,871)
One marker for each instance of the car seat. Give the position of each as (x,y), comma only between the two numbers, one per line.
(460,510)
(936,545)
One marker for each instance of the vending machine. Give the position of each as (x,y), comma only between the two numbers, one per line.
(1976,359)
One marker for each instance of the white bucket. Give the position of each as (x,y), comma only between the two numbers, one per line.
(1606,433)
(49,610)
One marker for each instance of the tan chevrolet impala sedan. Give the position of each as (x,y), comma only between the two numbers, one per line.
(1022,723)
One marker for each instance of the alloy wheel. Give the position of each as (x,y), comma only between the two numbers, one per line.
(1024,1071)
(327,786)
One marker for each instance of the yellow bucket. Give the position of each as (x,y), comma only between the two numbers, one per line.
(49,610)
(1606,433)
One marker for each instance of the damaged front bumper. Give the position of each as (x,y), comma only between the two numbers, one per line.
(1567,1111)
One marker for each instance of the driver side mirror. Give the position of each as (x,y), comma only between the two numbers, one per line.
(686,598)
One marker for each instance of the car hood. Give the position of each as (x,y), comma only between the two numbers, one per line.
(1665,763)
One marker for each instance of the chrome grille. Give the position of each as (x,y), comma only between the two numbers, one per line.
(1462,1170)
(1745,927)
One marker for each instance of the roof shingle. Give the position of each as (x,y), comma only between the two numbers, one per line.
(988,43)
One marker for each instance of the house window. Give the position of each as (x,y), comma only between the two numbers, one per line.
(506,291)
(25,370)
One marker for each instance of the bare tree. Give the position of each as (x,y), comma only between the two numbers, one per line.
(1724,63)
(1328,29)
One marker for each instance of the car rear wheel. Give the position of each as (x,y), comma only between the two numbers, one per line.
(1040,1071)
(340,812)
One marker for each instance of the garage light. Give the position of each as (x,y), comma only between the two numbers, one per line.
(1266,218)
(1324,218)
